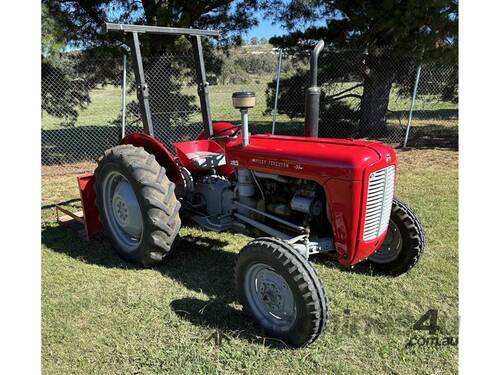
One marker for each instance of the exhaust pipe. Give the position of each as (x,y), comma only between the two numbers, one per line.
(312,95)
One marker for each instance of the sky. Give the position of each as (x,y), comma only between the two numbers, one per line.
(266,29)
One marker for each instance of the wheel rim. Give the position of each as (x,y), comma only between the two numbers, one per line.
(270,297)
(122,211)
(392,246)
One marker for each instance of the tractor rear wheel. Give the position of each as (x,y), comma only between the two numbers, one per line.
(282,291)
(137,205)
(403,244)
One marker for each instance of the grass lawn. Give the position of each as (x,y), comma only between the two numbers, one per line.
(101,315)
(105,107)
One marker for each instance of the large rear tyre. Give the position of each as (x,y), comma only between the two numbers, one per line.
(282,291)
(137,205)
(403,245)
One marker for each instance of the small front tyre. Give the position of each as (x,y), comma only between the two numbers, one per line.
(282,291)
(403,244)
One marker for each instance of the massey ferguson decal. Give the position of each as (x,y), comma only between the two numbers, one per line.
(277,164)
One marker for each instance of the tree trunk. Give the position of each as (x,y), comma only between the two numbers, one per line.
(375,100)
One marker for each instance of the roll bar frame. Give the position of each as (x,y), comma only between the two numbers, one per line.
(142,87)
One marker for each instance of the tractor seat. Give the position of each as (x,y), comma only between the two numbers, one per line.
(206,160)
(201,155)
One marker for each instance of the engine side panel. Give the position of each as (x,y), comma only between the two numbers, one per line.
(343,205)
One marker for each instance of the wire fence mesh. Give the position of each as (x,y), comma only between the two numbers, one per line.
(82,104)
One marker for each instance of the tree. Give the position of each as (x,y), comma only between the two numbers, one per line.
(254,41)
(81,22)
(83,19)
(232,73)
(256,64)
(387,31)
(53,38)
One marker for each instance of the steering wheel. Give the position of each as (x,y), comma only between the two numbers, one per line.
(218,134)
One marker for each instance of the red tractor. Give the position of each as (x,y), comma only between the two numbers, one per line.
(297,196)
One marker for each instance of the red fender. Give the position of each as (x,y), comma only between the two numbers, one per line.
(153,146)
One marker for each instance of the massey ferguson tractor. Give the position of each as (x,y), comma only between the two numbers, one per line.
(297,196)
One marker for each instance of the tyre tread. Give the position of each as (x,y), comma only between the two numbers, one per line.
(156,191)
(415,236)
(309,283)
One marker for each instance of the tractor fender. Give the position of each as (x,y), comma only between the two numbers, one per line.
(155,147)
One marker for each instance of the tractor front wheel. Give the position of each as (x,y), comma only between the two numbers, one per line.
(282,291)
(137,205)
(403,244)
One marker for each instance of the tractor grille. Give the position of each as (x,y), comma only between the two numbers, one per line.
(378,202)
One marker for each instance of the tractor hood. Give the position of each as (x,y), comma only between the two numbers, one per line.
(321,158)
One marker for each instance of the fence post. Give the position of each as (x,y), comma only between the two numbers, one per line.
(276,92)
(412,106)
(124,93)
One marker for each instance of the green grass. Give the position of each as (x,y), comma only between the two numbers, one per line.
(101,315)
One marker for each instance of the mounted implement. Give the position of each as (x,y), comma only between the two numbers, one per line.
(297,196)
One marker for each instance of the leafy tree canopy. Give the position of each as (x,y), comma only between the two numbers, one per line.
(83,19)
(53,38)
(405,26)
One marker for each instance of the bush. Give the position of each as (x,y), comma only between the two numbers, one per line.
(257,64)
(232,74)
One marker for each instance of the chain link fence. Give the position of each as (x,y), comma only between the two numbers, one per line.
(83,100)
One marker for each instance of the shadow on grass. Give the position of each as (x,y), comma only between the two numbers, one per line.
(224,320)
(436,128)
(98,252)
(330,260)
(434,136)
(199,263)
(74,144)
(84,143)
(443,114)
